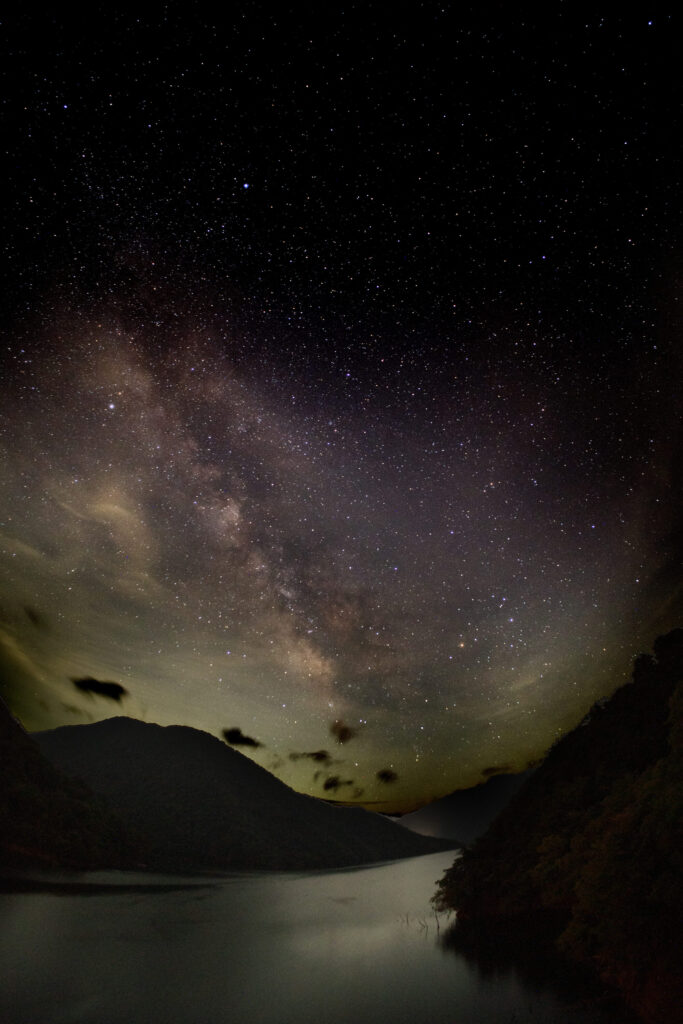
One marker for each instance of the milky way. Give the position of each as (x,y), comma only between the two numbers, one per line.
(388,513)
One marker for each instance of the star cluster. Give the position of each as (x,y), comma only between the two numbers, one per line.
(340,415)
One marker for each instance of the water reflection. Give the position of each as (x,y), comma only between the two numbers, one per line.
(357,945)
(531,956)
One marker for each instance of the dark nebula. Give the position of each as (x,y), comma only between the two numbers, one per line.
(342,733)
(34,617)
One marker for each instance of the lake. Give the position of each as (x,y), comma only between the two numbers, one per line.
(336,947)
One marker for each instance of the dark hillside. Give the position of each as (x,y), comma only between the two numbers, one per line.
(592,846)
(50,820)
(203,805)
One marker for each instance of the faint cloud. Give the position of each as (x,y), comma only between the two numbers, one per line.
(112,691)
(497,769)
(321,756)
(236,738)
(334,782)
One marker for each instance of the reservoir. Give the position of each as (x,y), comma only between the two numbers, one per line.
(337,947)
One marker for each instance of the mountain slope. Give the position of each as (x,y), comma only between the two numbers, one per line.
(204,805)
(592,846)
(48,819)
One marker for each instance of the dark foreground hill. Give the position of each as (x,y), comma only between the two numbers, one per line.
(202,805)
(590,851)
(49,820)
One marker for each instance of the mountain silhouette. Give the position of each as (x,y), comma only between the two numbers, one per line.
(203,805)
(50,820)
(589,852)
(465,814)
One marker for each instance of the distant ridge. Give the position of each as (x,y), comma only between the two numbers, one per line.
(202,805)
(465,814)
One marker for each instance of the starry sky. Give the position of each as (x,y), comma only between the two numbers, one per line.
(340,379)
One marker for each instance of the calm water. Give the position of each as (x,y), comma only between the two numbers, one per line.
(347,946)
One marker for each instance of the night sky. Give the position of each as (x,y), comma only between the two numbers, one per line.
(341,373)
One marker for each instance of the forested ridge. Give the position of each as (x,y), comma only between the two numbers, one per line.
(590,852)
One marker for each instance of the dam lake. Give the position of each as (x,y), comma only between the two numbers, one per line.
(336,947)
